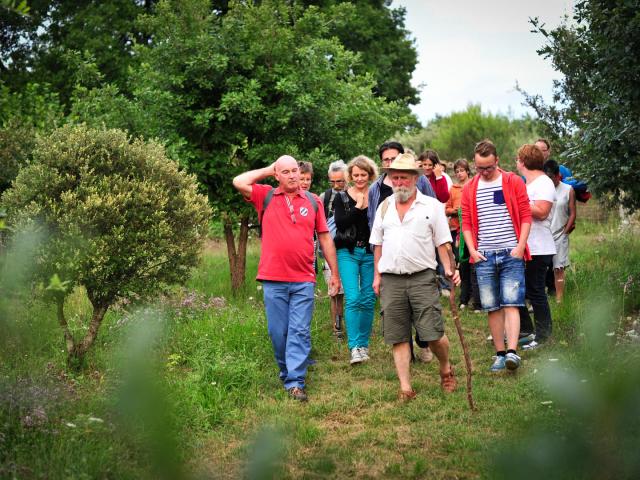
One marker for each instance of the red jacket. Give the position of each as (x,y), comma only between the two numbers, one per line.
(515,197)
(440,187)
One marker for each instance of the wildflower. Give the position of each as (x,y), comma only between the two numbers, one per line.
(70,425)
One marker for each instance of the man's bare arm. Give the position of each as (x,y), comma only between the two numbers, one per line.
(448,262)
(244,182)
(329,252)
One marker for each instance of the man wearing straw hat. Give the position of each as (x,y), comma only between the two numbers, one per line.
(407,230)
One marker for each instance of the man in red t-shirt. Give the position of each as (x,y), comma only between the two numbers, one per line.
(286,267)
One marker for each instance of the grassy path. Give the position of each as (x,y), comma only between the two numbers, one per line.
(353,426)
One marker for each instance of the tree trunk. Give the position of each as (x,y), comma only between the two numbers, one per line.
(237,257)
(77,350)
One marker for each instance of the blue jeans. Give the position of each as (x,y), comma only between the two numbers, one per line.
(500,280)
(356,274)
(289,307)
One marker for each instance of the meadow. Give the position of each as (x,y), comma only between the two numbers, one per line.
(186,387)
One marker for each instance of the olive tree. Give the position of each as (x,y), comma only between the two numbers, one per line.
(118,218)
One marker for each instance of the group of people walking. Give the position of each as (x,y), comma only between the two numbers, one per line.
(389,234)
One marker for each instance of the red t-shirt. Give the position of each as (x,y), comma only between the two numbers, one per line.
(287,247)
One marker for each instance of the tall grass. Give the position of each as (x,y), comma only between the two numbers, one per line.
(190,387)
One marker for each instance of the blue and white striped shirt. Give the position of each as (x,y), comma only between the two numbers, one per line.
(495,230)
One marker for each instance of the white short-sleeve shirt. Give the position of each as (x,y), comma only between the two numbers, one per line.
(409,246)
(540,239)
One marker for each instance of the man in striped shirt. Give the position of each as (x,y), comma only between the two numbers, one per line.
(496,219)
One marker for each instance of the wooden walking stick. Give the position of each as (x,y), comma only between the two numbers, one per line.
(456,320)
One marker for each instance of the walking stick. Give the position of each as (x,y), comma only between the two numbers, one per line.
(456,320)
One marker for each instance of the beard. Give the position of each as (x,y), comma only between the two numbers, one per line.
(403,194)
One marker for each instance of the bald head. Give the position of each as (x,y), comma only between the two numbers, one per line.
(287,173)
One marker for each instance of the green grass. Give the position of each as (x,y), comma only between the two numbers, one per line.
(192,385)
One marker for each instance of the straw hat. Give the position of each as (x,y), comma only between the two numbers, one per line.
(404,162)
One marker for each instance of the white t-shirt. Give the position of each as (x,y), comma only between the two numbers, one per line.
(540,239)
(409,246)
(560,210)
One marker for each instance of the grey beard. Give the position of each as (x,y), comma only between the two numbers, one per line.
(403,194)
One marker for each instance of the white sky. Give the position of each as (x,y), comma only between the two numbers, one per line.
(475,51)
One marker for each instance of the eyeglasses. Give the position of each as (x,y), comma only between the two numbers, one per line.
(486,169)
(336,181)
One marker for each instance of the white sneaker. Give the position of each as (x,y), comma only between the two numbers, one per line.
(425,355)
(364,353)
(532,345)
(356,356)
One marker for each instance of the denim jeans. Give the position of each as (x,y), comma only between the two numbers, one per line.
(289,307)
(356,274)
(535,272)
(500,280)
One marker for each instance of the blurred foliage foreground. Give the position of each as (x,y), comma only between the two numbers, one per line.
(166,382)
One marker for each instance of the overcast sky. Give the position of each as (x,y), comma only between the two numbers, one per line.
(475,51)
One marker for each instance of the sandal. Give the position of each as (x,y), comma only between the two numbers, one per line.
(406,395)
(448,381)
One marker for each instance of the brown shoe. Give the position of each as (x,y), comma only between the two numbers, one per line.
(448,381)
(298,393)
(406,396)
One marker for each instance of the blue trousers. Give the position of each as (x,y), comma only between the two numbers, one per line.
(289,307)
(356,274)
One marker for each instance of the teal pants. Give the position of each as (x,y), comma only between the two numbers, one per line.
(356,274)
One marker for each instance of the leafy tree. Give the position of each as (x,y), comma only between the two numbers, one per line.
(454,136)
(119,219)
(595,117)
(23,116)
(378,34)
(232,92)
(69,42)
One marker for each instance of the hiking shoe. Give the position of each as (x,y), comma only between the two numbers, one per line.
(364,353)
(448,381)
(406,396)
(532,345)
(498,364)
(425,355)
(511,361)
(527,338)
(462,306)
(297,393)
(356,356)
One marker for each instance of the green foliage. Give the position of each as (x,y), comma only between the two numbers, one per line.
(23,116)
(596,112)
(454,136)
(376,32)
(119,217)
(19,7)
(232,92)
(69,42)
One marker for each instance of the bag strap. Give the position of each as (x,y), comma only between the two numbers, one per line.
(267,201)
(345,201)
(384,207)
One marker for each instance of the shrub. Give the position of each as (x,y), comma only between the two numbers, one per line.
(119,219)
